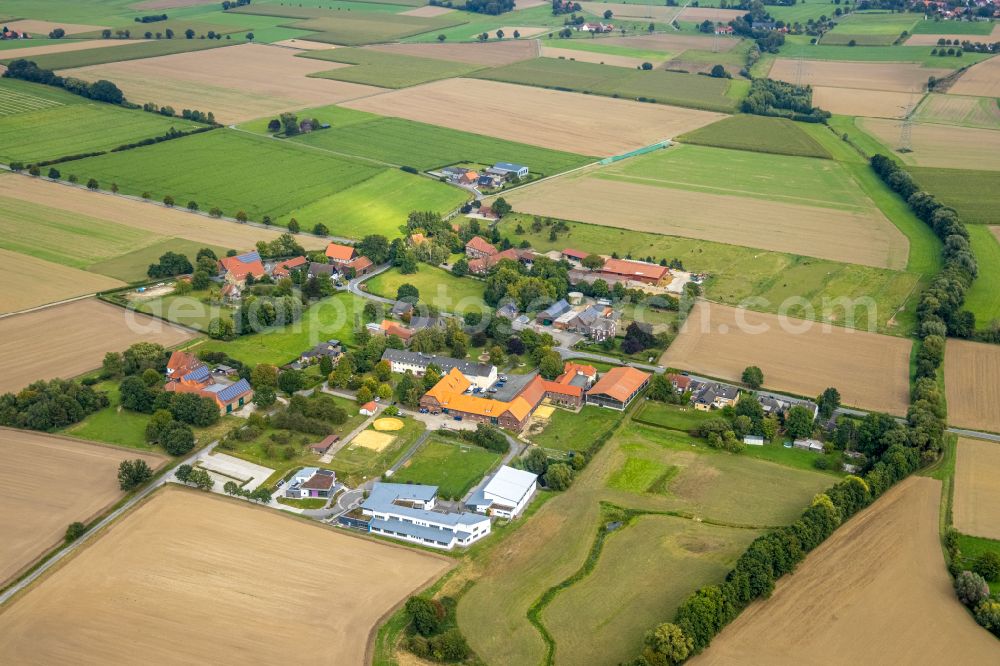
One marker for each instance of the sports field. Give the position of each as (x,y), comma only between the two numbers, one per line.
(537,116)
(972,193)
(960,110)
(269,602)
(899,77)
(378,68)
(814,209)
(972,364)
(871,371)
(982,79)
(940,145)
(236,84)
(759,134)
(42,345)
(450,464)
(661,86)
(491,54)
(977,489)
(85,474)
(901,532)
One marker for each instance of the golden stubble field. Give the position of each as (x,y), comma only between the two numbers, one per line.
(70,339)
(858,102)
(888,76)
(588,56)
(29,51)
(945,146)
(236,83)
(248,585)
(29,282)
(857,237)
(585,124)
(977,488)
(971,372)
(48,482)
(982,79)
(875,592)
(871,371)
(492,54)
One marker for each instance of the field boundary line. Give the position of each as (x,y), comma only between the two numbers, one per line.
(307,146)
(49,305)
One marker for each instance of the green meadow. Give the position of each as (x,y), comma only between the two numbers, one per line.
(450,464)
(870,29)
(917,54)
(973,194)
(437,287)
(757,133)
(355,29)
(983,299)
(136,51)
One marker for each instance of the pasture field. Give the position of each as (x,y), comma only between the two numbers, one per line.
(860,102)
(738,273)
(117,426)
(450,464)
(655,86)
(890,76)
(982,79)
(194,310)
(982,33)
(168,573)
(982,112)
(903,522)
(569,431)
(537,116)
(236,84)
(759,134)
(972,193)
(38,199)
(890,54)
(437,287)
(841,225)
(422,146)
(40,344)
(869,29)
(667,43)
(871,371)
(964,28)
(32,282)
(486,54)
(41,123)
(86,474)
(970,373)
(373,28)
(943,146)
(983,298)
(378,68)
(127,51)
(977,492)
(575,48)
(132,266)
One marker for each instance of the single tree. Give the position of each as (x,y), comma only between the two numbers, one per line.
(442,37)
(92,184)
(799,422)
(559,476)
(753,377)
(133,473)
(75,531)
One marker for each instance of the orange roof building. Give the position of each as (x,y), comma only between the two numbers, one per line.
(478,247)
(618,387)
(635,270)
(360,265)
(392,328)
(449,396)
(186,374)
(239,267)
(339,254)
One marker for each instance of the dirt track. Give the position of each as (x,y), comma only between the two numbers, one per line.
(193,578)
(977,488)
(943,146)
(895,76)
(68,340)
(47,483)
(876,592)
(871,371)
(29,282)
(493,54)
(971,370)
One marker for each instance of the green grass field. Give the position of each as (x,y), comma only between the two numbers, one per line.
(973,194)
(672,417)
(131,266)
(598,46)
(355,464)
(917,54)
(179,26)
(403,142)
(137,51)
(569,431)
(195,310)
(480,23)
(659,86)
(388,70)
(870,28)
(42,123)
(350,29)
(953,28)
(450,464)
(437,287)
(322,8)
(983,299)
(757,133)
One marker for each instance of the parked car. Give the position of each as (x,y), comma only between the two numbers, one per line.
(424,410)
(458,418)
(502,378)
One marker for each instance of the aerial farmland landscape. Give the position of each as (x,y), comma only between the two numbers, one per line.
(500,332)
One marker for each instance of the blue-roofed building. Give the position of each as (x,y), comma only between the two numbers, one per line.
(187,374)
(405,511)
(551,313)
(199,374)
(508,169)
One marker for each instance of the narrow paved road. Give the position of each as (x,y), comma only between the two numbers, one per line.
(975,433)
(354,286)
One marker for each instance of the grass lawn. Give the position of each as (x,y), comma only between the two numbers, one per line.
(387,70)
(870,29)
(661,86)
(336,317)
(355,464)
(452,465)
(671,416)
(137,51)
(569,431)
(311,503)
(983,299)
(648,315)
(973,194)
(757,133)
(437,287)
(403,142)
(974,547)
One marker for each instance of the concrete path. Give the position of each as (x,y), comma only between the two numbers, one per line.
(961,432)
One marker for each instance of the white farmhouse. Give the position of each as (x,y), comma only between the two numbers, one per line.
(506,494)
(405,511)
(480,375)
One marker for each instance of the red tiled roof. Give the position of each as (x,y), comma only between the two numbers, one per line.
(360,264)
(284,268)
(239,269)
(181,363)
(634,269)
(619,383)
(480,245)
(392,328)
(369,406)
(576,254)
(339,252)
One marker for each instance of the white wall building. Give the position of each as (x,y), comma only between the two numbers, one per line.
(480,375)
(404,511)
(506,494)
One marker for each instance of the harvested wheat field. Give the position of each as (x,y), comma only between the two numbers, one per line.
(671,42)
(29,282)
(977,488)
(169,222)
(944,146)
(858,237)
(701,14)
(43,28)
(304,45)
(546,118)
(33,519)
(251,585)
(624,10)
(860,102)
(875,592)
(70,339)
(170,4)
(932,40)
(871,371)
(897,76)
(493,54)
(963,110)
(971,372)
(30,51)
(592,56)
(982,79)
(236,83)
(428,11)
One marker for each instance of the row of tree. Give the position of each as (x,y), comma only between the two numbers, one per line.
(100,91)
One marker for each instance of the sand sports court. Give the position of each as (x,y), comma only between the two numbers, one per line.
(871,371)
(972,364)
(945,146)
(236,83)
(49,482)
(388,424)
(896,612)
(251,585)
(67,340)
(373,439)
(586,124)
(977,488)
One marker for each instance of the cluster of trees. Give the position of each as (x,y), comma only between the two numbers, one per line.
(947,52)
(972,586)
(194,476)
(554,474)
(433,633)
(152,18)
(260,494)
(560,7)
(256,313)
(640,338)
(57,33)
(50,405)
(170,264)
(289,124)
(233,4)
(784,100)
(284,245)
(315,415)
(769,41)
(490,7)
(100,91)
(133,473)
(487,437)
